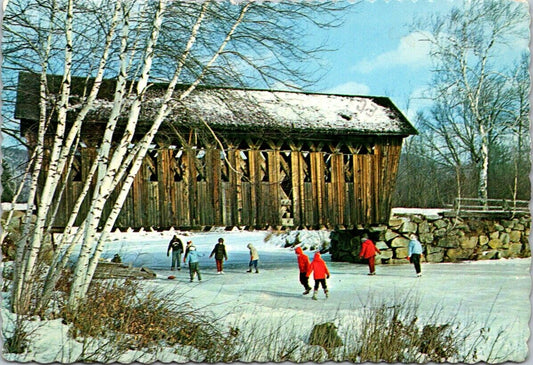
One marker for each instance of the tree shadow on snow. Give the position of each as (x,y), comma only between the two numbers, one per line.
(275,293)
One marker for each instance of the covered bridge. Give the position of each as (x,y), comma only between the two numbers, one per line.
(289,159)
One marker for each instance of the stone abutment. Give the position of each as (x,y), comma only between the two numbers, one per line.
(444,236)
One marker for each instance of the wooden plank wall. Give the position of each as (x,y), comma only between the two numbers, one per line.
(191,193)
(389,153)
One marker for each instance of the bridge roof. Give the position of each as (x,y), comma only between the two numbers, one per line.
(246,109)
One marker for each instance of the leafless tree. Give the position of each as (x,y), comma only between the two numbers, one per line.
(474,85)
(136,43)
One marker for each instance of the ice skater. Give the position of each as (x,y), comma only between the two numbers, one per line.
(187,247)
(193,262)
(254,258)
(176,245)
(320,273)
(414,253)
(303,266)
(219,251)
(368,252)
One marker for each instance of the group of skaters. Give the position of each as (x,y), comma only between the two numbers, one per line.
(317,266)
(192,258)
(368,253)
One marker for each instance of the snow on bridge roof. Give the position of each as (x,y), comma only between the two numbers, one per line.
(252,109)
(285,110)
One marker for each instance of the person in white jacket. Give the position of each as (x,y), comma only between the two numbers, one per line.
(254,258)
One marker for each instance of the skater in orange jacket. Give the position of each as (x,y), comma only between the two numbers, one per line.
(303,265)
(368,252)
(320,273)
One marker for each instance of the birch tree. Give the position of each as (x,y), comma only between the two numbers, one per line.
(137,43)
(472,92)
(518,126)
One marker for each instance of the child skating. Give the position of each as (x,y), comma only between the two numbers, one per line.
(187,247)
(193,262)
(320,273)
(368,252)
(414,253)
(303,266)
(219,251)
(254,258)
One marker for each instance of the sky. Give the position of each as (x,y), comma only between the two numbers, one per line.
(377,55)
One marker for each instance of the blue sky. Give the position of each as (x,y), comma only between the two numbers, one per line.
(378,56)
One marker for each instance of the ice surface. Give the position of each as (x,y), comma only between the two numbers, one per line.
(493,294)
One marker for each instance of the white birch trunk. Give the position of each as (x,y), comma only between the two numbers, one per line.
(62,252)
(62,148)
(60,260)
(50,182)
(148,138)
(67,145)
(105,183)
(19,279)
(62,187)
(484,169)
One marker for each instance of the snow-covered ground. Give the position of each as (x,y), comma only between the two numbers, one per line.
(494,294)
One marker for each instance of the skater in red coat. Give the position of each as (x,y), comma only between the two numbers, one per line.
(303,265)
(368,252)
(320,273)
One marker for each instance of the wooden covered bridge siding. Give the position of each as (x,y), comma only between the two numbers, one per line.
(295,158)
(324,184)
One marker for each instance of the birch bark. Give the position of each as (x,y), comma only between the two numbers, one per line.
(148,138)
(104,183)
(20,274)
(50,182)
(63,252)
(62,150)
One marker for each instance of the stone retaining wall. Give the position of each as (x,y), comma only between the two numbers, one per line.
(444,238)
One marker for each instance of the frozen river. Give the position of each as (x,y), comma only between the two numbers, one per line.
(493,294)
(490,294)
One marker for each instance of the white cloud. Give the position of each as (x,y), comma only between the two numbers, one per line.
(350,88)
(412,50)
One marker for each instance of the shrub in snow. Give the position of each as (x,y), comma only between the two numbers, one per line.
(325,335)
(123,314)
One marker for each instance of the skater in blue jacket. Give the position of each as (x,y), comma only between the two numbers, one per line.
(193,262)
(414,252)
